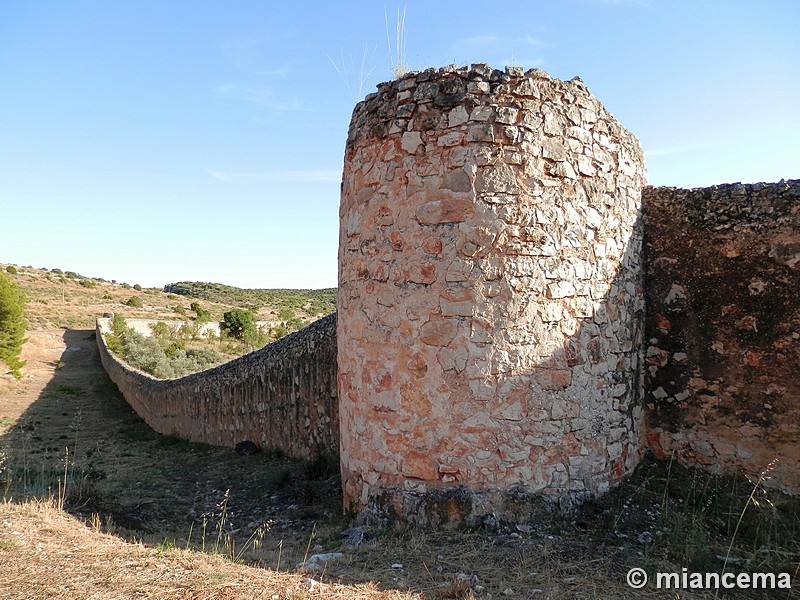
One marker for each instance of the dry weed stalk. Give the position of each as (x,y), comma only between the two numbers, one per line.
(763,476)
(398,57)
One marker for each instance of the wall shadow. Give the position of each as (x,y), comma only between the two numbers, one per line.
(564,428)
(723,326)
(80,441)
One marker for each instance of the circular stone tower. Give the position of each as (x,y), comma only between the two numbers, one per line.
(489,312)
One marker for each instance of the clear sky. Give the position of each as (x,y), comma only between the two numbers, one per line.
(154,141)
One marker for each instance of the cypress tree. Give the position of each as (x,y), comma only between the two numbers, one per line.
(12,324)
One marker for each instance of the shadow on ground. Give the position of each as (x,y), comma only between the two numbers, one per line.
(80,442)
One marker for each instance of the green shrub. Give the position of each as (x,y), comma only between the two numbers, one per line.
(135,302)
(190,361)
(189,331)
(11,269)
(118,325)
(279,332)
(239,324)
(148,354)
(203,316)
(114,344)
(88,283)
(12,324)
(291,322)
(204,356)
(295,324)
(160,330)
(114,339)
(286,314)
(173,349)
(137,287)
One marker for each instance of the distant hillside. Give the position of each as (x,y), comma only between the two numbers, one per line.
(312,302)
(69,300)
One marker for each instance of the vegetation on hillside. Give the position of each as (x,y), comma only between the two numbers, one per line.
(12,324)
(239,323)
(316,303)
(69,300)
(203,316)
(163,354)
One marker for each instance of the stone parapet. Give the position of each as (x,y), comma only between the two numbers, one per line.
(281,397)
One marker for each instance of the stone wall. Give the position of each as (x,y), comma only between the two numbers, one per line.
(282,396)
(489,296)
(723,327)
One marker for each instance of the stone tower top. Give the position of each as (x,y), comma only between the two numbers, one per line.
(489,284)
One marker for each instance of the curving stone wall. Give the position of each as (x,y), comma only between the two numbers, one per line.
(282,396)
(489,296)
(723,327)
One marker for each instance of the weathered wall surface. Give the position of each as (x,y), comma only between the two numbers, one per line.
(489,294)
(282,396)
(723,326)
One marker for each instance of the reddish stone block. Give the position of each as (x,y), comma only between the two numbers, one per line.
(439,332)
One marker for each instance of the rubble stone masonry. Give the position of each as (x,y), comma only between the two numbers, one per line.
(280,397)
(723,327)
(490,296)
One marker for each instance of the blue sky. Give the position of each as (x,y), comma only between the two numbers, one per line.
(153,141)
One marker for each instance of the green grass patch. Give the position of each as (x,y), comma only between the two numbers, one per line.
(7,544)
(64,389)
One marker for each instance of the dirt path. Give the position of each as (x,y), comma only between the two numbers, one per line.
(42,351)
(140,498)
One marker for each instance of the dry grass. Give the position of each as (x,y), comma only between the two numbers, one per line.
(37,540)
(45,553)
